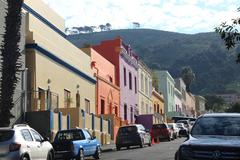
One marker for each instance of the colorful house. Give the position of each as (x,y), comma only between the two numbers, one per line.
(126,65)
(200,105)
(60,74)
(144,89)
(107,92)
(166,86)
(158,103)
(180,86)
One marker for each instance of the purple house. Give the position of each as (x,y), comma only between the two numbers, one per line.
(126,64)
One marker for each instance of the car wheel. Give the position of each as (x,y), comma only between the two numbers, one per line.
(118,148)
(142,144)
(150,143)
(49,156)
(169,138)
(98,153)
(81,155)
(128,147)
(25,158)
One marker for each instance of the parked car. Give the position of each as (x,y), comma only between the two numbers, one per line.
(76,143)
(183,131)
(22,142)
(175,129)
(186,124)
(133,135)
(213,136)
(162,131)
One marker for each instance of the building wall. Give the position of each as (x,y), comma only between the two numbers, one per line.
(200,105)
(18,105)
(73,73)
(110,50)
(158,102)
(108,93)
(40,7)
(180,85)
(129,97)
(166,86)
(116,52)
(178,100)
(190,105)
(144,89)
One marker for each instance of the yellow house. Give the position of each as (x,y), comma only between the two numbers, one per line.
(60,73)
(158,104)
(144,89)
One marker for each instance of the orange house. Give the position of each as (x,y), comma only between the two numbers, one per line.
(107,92)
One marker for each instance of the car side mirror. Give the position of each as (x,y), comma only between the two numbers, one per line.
(45,139)
(147,130)
(93,137)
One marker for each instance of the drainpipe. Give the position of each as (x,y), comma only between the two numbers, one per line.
(93,65)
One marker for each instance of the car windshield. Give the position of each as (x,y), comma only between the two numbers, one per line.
(159,126)
(6,135)
(130,129)
(70,136)
(223,126)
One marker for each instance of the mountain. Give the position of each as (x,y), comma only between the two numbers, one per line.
(214,66)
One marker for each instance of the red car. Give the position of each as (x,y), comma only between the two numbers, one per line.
(162,131)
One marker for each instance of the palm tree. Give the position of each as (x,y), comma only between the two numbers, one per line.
(10,64)
(188,76)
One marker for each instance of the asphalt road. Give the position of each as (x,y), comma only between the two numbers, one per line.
(161,151)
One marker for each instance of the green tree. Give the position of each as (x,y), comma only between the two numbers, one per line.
(234,108)
(188,76)
(215,103)
(230,34)
(10,64)
(108,26)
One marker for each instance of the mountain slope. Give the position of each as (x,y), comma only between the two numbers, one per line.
(215,68)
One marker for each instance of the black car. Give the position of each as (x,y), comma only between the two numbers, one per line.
(132,135)
(213,137)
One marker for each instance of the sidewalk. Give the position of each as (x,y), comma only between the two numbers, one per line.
(108,147)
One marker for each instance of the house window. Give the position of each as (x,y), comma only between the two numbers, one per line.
(110,79)
(102,106)
(130,80)
(155,109)
(116,111)
(125,76)
(87,106)
(146,86)
(135,84)
(158,108)
(142,107)
(78,100)
(142,83)
(125,111)
(161,111)
(131,115)
(67,98)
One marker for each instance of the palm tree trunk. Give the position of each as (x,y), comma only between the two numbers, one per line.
(10,64)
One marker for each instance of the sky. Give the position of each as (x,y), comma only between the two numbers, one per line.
(184,16)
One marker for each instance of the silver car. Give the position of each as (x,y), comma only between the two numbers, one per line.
(24,143)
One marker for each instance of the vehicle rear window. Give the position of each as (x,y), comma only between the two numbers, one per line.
(223,126)
(70,136)
(130,129)
(155,126)
(6,135)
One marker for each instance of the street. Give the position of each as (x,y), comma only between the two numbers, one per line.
(161,151)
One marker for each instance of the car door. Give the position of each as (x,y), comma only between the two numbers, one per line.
(29,141)
(87,144)
(42,147)
(93,143)
(143,132)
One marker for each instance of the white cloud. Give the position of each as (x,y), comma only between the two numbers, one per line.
(187,16)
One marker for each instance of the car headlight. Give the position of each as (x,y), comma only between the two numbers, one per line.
(186,152)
